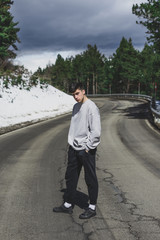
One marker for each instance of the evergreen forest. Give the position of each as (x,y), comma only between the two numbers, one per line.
(127,71)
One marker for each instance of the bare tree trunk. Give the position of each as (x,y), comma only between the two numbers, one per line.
(128,86)
(87,85)
(96,85)
(93,83)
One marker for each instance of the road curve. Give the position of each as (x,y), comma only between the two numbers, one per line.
(32,167)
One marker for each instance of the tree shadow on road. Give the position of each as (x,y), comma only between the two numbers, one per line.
(141,111)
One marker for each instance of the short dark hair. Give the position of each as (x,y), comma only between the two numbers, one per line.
(74,86)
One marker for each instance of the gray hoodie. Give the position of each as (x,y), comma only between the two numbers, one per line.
(85,127)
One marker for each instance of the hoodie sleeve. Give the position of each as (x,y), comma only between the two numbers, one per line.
(94,125)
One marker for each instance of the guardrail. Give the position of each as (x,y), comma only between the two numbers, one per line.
(156,114)
(122,95)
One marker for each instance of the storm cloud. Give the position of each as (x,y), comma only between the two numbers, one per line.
(69,25)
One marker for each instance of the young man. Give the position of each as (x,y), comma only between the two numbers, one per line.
(83,138)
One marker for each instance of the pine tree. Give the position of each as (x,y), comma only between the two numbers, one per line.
(126,68)
(150,11)
(78,68)
(93,63)
(147,62)
(8,33)
(62,73)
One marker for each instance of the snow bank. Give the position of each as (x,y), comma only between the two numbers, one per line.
(18,106)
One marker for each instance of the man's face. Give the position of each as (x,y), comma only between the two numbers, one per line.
(79,95)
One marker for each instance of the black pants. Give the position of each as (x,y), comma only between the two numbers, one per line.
(77,159)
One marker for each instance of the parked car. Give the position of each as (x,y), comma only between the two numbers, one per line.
(157,105)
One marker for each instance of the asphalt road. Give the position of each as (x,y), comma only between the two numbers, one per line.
(32,167)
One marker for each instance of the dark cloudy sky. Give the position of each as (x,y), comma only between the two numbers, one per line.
(49,27)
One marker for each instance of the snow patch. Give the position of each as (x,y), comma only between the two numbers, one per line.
(18,106)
